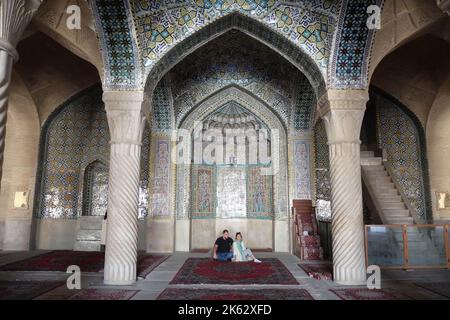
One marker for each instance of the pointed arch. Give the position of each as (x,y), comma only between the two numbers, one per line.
(183,175)
(94,189)
(253,28)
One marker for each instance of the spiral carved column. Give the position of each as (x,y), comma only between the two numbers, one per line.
(343,112)
(126,124)
(5,78)
(14,17)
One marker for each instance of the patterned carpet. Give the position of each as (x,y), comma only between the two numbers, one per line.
(103,294)
(318,271)
(87,261)
(366,294)
(59,261)
(26,290)
(440,288)
(207,271)
(244,294)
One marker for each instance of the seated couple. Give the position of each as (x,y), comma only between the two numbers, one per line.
(227,250)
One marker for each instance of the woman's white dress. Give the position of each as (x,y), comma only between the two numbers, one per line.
(241,255)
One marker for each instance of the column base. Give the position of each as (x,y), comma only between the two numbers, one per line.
(351,282)
(119,282)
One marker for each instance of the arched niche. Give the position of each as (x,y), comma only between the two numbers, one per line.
(95,189)
(279,226)
(75,135)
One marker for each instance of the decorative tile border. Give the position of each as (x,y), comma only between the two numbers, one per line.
(352,46)
(118,42)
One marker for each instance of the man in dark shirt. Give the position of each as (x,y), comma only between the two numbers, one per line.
(223,248)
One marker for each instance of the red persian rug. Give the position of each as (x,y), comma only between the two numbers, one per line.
(366,294)
(87,261)
(26,290)
(103,294)
(244,294)
(318,271)
(208,271)
(440,288)
(59,261)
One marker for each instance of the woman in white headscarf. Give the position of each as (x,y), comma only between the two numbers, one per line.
(240,252)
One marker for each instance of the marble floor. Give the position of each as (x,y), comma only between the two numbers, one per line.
(158,280)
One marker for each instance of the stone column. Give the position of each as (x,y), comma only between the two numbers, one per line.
(15,15)
(343,112)
(126,125)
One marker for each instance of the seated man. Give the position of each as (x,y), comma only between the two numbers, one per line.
(223,248)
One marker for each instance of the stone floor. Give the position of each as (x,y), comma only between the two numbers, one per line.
(159,278)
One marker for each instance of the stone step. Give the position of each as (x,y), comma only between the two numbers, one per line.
(371,162)
(380,179)
(387,192)
(412,237)
(378,168)
(390,198)
(396,213)
(393,206)
(367,154)
(87,246)
(383,184)
(89,235)
(399,220)
(374,173)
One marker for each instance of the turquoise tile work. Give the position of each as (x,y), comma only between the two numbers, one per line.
(161,24)
(75,136)
(322,172)
(401,135)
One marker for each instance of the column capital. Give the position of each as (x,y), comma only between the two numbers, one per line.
(15,15)
(343,113)
(342,100)
(125,116)
(123,100)
(444,5)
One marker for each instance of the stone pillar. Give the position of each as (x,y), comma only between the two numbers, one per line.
(126,125)
(15,15)
(343,112)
